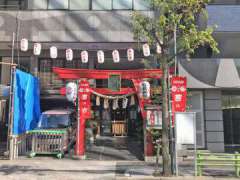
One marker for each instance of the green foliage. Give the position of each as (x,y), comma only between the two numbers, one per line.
(168,15)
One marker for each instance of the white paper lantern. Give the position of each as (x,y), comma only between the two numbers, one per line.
(24,44)
(69,54)
(37,47)
(84,56)
(130,54)
(116,57)
(146,50)
(53,52)
(100,56)
(71,91)
(145,89)
(159,49)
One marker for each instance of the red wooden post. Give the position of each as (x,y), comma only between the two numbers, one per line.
(84,112)
(80,143)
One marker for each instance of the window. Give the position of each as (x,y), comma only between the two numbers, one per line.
(231,116)
(141,5)
(79,4)
(101,4)
(12,4)
(57,4)
(36,4)
(122,4)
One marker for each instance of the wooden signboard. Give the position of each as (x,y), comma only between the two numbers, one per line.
(114,82)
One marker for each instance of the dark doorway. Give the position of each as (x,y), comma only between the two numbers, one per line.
(231,119)
(3,126)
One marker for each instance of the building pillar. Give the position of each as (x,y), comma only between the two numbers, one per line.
(214,120)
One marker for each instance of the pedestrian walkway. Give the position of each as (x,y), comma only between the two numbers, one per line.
(50,168)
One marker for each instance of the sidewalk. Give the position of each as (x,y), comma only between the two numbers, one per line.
(48,168)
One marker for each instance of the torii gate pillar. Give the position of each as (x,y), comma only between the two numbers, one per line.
(84,112)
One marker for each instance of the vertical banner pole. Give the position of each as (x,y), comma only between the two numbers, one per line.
(171,132)
(78,121)
(10,143)
(195,144)
(175,49)
(176,149)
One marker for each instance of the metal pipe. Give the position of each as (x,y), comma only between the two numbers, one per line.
(10,116)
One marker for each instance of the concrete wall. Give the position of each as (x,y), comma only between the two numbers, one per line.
(213,120)
(68,26)
(225,17)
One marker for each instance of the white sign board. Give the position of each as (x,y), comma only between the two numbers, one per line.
(154,119)
(185,127)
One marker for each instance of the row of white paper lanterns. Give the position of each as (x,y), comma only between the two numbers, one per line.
(84,54)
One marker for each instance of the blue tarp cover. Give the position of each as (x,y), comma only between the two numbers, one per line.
(26,102)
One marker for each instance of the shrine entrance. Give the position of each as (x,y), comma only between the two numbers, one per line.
(117,113)
(119,137)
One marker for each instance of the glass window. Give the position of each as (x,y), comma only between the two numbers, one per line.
(58,4)
(36,4)
(79,4)
(195,104)
(2,3)
(13,4)
(141,5)
(122,4)
(101,4)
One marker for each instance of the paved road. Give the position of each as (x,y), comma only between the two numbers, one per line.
(49,168)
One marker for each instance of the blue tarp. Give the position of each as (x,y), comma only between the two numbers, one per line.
(26,102)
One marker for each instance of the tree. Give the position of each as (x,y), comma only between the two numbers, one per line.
(170,17)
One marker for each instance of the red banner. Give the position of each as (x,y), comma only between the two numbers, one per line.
(84,99)
(179,95)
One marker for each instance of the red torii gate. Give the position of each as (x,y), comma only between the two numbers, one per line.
(76,74)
